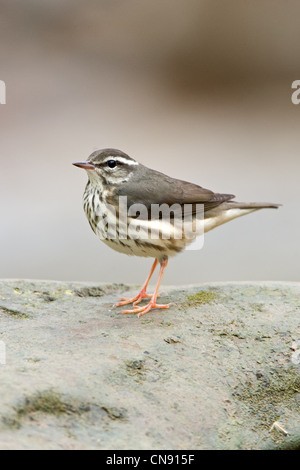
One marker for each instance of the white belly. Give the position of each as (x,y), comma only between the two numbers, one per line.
(156,238)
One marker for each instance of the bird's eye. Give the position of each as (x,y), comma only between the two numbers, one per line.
(112,163)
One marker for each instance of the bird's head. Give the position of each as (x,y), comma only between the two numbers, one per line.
(109,166)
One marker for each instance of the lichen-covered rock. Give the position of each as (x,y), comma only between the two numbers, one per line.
(215,371)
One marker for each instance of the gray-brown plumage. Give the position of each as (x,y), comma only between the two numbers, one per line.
(114,176)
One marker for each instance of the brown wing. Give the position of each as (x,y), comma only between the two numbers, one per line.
(194,194)
(149,187)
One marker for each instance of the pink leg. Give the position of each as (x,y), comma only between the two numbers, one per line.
(152,304)
(142,295)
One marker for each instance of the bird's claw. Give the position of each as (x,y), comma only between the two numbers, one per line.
(142,310)
(135,300)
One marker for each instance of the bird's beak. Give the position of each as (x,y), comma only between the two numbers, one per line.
(85,165)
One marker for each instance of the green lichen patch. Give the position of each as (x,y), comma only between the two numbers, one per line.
(12,312)
(269,393)
(33,360)
(202,297)
(12,422)
(48,402)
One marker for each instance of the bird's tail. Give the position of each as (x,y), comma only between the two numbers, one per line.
(230,210)
(250,205)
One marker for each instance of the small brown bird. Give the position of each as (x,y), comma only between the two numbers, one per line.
(142,212)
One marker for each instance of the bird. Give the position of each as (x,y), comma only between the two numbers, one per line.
(125,201)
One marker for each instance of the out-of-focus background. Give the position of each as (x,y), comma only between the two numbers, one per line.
(200,90)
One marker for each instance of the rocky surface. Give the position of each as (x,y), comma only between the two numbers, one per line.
(215,371)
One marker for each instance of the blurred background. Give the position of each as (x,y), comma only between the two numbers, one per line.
(200,90)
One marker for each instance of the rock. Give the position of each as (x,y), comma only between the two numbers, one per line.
(215,371)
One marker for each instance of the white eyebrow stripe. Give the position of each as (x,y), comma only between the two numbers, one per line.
(121,160)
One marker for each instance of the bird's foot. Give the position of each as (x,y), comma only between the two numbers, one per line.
(142,310)
(135,300)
